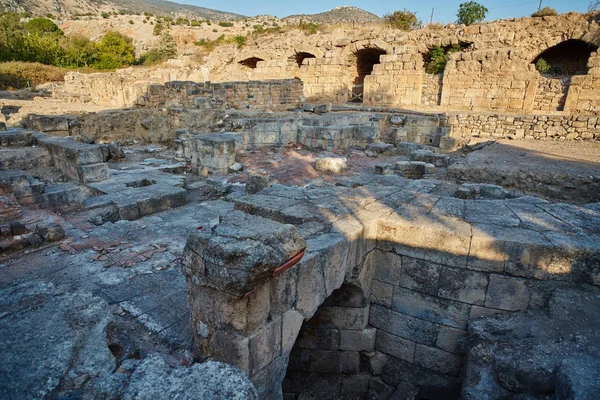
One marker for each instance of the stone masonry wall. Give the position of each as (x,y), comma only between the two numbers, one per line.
(432,89)
(275,95)
(482,125)
(551,93)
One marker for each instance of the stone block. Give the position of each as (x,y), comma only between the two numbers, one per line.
(402,325)
(381,293)
(383,169)
(462,285)
(438,160)
(419,275)
(388,266)
(395,346)
(265,345)
(448,339)
(351,318)
(430,308)
(318,338)
(507,293)
(358,340)
(93,172)
(335,165)
(437,360)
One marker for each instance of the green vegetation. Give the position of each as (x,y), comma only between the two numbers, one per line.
(470,13)
(226,24)
(164,49)
(404,20)
(545,12)
(41,40)
(435,61)
(105,14)
(158,29)
(310,28)
(240,40)
(542,66)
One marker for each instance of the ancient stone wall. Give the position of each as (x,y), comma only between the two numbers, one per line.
(275,95)
(551,93)
(432,90)
(518,126)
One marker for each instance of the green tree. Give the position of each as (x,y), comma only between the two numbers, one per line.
(404,20)
(470,13)
(78,51)
(12,37)
(114,50)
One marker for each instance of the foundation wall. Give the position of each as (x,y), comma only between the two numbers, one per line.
(275,95)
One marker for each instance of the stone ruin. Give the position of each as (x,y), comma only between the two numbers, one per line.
(237,240)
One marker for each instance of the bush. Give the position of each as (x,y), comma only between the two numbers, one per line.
(470,13)
(226,24)
(437,58)
(131,21)
(545,12)
(310,28)
(196,23)
(158,29)
(164,49)
(42,26)
(542,66)
(240,40)
(404,20)
(17,75)
(105,14)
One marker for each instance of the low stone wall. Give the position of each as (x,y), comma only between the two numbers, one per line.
(503,126)
(274,95)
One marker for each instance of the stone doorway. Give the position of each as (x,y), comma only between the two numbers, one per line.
(365,61)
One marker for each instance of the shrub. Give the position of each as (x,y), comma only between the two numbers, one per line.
(226,24)
(542,66)
(17,75)
(164,49)
(240,40)
(437,58)
(196,23)
(131,21)
(105,14)
(545,12)
(310,28)
(404,20)
(158,29)
(42,26)
(470,13)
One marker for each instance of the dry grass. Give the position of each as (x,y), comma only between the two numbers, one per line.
(17,75)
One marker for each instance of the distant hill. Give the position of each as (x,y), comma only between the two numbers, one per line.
(72,7)
(342,14)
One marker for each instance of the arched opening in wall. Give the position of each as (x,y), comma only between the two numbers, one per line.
(556,66)
(250,62)
(565,59)
(365,61)
(300,56)
(327,360)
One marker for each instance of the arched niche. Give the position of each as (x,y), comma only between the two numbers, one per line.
(568,58)
(300,56)
(250,62)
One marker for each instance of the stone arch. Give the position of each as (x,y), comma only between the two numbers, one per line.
(300,56)
(250,62)
(568,58)
(330,346)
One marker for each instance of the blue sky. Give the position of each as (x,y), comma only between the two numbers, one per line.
(445,11)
